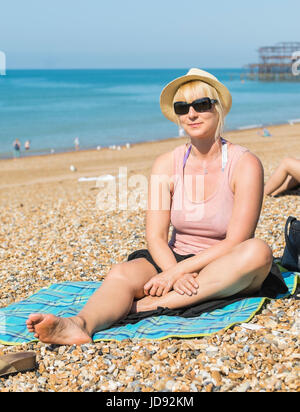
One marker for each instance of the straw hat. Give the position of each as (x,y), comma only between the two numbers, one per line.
(168,93)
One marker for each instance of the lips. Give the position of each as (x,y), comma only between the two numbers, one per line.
(195,124)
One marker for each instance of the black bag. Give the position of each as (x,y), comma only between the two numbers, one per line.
(291,255)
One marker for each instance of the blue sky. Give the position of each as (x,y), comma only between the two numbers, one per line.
(142,34)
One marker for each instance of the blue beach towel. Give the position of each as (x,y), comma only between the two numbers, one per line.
(67,299)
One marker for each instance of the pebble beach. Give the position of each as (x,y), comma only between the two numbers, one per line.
(52,231)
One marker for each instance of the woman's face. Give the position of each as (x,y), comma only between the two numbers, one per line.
(200,125)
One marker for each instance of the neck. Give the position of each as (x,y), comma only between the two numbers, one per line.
(206,148)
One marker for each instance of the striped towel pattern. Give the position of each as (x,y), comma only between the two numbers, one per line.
(67,299)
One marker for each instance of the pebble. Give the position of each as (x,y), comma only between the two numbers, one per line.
(243,387)
(60,235)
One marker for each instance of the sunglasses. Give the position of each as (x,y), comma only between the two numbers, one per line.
(199,105)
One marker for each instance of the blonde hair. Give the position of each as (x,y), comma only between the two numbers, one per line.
(192,90)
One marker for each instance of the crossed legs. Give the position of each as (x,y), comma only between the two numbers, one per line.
(285,177)
(243,269)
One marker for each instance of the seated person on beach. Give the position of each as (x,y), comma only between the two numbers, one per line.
(266,133)
(285,177)
(213,252)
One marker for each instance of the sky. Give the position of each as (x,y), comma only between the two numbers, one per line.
(45,34)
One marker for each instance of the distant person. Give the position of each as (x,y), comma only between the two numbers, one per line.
(17,147)
(266,133)
(27,145)
(76,143)
(285,177)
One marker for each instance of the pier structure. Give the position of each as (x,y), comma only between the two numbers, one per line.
(275,63)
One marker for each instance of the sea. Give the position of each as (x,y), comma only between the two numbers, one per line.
(112,107)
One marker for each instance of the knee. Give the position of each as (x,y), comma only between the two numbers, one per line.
(119,273)
(116,271)
(255,251)
(285,164)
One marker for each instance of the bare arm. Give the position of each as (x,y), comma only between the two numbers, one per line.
(158,212)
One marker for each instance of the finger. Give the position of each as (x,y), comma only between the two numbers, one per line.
(193,283)
(159,291)
(178,290)
(185,290)
(153,290)
(166,289)
(190,284)
(195,274)
(191,279)
(186,286)
(191,287)
(147,286)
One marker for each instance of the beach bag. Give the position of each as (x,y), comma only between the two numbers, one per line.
(291,255)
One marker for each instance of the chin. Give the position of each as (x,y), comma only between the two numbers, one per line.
(198,133)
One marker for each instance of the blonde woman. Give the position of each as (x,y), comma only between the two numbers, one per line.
(212,194)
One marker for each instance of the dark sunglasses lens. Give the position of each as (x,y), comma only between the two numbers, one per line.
(202,106)
(181,108)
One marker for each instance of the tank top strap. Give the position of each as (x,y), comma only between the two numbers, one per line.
(186,156)
(224,153)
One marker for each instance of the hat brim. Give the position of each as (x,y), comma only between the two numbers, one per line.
(168,93)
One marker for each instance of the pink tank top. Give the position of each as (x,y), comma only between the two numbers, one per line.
(199,224)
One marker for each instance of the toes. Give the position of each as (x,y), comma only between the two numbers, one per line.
(35,318)
(32,321)
(30,326)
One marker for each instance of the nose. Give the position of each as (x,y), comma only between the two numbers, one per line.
(192,112)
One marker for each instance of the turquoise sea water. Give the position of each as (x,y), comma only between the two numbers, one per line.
(106,107)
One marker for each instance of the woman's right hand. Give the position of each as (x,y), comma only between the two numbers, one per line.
(160,284)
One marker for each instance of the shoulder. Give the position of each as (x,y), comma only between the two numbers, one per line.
(243,157)
(248,161)
(248,168)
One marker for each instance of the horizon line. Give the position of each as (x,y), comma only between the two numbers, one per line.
(117,68)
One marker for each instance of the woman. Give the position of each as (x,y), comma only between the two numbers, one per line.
(285,177)
(213,252)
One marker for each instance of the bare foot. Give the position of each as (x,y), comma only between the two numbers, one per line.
(60,331)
